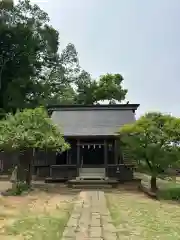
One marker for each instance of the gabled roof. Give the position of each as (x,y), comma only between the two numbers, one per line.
(92,120)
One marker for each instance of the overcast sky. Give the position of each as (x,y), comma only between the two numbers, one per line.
(137,38)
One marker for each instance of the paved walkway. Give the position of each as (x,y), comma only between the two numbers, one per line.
(90,219)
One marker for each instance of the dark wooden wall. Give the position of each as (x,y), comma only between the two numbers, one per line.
(44,162)
(8,162)
(120,172)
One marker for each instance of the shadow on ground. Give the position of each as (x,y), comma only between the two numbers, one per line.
(54,188)
(126,187)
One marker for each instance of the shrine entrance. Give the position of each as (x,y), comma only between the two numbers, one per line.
(92,165)
(92,155)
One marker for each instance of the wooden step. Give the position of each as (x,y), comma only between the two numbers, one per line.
(78,181)
(92,173)
(92,170)
(85,175)
(74,183)
(55,180)
(90,186)
(96,178)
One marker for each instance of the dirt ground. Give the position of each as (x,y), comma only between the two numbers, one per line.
(4,185)
(21,215)
(137,216)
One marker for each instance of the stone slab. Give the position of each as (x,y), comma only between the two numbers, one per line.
(90,219)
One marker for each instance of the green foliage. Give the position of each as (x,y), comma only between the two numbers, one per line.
(169,193)
(18,189)
(6,4)
(28,45)
(107,87)
(32,72)
(110,88)
(40,226)
(86,88)
(57,84)
(31,128)
(154,141)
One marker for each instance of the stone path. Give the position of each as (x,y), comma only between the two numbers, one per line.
(90,219)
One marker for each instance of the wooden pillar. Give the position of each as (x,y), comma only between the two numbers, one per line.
(116,150)
(78,157)
(120,152)
(105,156)
(67,157)
(78,153)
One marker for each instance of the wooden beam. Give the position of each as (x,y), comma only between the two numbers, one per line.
(78,157)
(67,157)
(105,153)
(78,153)
(116,150)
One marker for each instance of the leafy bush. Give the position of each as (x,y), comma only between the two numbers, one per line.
(17,190)
(169,193)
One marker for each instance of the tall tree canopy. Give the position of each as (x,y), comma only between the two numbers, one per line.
(31,69)
(34,72)
(153,140)
(107,87)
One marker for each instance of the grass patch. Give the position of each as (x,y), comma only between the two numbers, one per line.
(167,189)
(138,217)
(45,226)
(39,215)
(19,189)
(172,193)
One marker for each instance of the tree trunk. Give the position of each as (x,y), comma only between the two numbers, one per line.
(21,168)
(29,175)
(29,156)
(25,165)
(153,184)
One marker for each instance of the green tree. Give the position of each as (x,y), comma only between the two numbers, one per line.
(108,87)
(86,88)
(32,71)
(28,45)
(153,140)
(28,130)
(59,82)
(6,4)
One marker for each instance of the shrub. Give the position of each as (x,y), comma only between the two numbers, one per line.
(18,189)
(169,193)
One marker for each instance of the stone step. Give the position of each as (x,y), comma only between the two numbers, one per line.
(55,180)
(92,173)
(108,181)
(91,186)
(92,170)
(81,175)
(95,184)
(91,178)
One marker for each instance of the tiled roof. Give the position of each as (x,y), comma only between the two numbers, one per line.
(91,122)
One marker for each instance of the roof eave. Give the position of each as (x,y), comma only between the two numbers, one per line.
(93,107)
